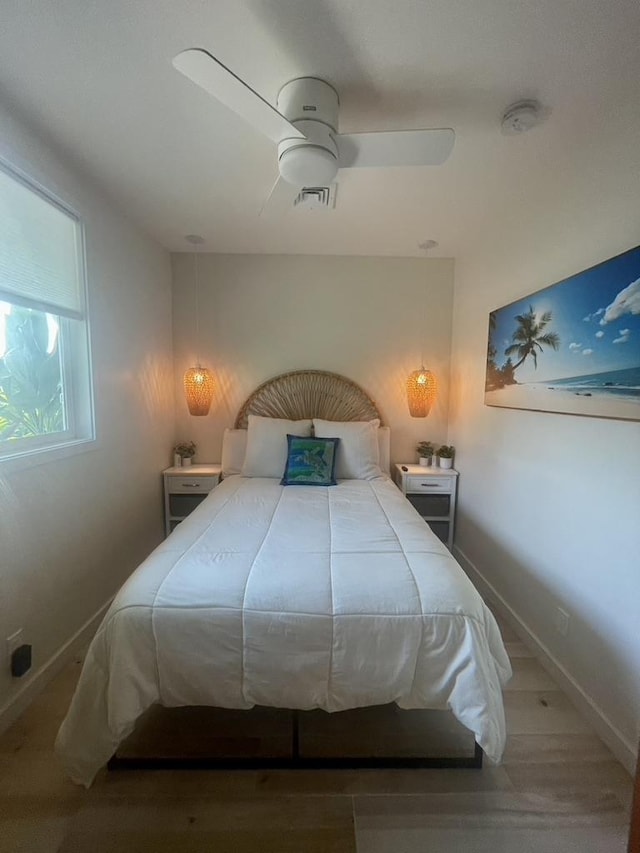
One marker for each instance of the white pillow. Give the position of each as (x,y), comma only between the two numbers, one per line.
(266,454)
(234,447)
(384,449)
(358,456)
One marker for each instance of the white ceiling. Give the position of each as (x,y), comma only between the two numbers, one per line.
(96,77)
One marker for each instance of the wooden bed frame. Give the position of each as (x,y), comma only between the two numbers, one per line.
(298,395)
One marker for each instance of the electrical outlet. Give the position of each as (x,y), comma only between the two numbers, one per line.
(562,621)
(13,642)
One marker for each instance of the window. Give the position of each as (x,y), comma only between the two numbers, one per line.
(45,381)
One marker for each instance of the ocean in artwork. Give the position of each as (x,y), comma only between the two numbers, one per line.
(617,383)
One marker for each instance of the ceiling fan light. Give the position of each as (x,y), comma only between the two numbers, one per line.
(199,386)
(421,392)
(308,165)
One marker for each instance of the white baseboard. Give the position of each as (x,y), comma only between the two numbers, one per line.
(21,700)
(623,750)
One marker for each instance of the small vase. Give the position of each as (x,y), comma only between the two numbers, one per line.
(186,461)
(177,460)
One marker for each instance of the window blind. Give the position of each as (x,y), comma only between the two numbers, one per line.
(40,260)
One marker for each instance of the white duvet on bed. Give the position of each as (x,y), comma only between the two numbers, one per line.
(295,597)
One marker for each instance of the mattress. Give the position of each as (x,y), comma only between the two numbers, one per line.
(293,597)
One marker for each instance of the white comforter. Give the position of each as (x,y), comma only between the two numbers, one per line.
(295,597)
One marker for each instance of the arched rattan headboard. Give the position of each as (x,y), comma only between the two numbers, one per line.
(309,394)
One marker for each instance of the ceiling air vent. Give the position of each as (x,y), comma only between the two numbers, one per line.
(316,198)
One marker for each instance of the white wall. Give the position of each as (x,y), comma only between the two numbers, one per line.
(549,504)
(365,318)
(71,531)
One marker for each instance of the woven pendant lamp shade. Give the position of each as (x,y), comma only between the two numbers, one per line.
(421,392)
(198,389)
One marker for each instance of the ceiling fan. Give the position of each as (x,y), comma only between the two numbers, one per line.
(304,125)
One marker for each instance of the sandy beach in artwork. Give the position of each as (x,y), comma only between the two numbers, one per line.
(543,398)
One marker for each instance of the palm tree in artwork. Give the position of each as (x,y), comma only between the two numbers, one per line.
(530,337)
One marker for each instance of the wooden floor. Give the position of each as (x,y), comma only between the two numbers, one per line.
(559,790)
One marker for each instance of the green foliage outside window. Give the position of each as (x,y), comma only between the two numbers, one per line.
(31,402)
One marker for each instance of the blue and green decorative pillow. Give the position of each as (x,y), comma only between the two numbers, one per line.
(310,461)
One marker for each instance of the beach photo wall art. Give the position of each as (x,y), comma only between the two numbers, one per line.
(573,347)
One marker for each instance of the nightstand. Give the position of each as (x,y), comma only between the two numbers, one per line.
(184,489)
(432,491)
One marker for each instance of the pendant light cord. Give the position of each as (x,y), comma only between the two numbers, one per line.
(194,241)
(424,328)
(197,283)
(426,246)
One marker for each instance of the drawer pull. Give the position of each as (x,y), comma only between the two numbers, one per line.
(190,485)
(432,485)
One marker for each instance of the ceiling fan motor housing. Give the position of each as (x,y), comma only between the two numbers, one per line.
(311,105)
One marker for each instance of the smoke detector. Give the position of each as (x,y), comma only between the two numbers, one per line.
(521,117)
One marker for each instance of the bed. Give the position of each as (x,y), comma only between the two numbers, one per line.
(300,597)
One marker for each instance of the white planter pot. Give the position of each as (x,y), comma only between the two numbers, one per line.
(186,461)
(424,461)
(445,463)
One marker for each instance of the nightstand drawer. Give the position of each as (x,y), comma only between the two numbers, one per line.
(428,485)
(180,505)
(191,485)
(431,506)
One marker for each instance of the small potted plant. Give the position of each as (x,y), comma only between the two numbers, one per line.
(186,450)
(445,455)
(425,452)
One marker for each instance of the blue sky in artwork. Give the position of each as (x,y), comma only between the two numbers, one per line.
(596,313)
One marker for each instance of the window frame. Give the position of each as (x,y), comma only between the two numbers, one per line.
(74,341)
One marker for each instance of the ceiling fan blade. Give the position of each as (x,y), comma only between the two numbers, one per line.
(211,75)
(395,148)
(281,198)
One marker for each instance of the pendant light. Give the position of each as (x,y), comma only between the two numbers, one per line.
(421,384)
(421,392)
(199,384)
